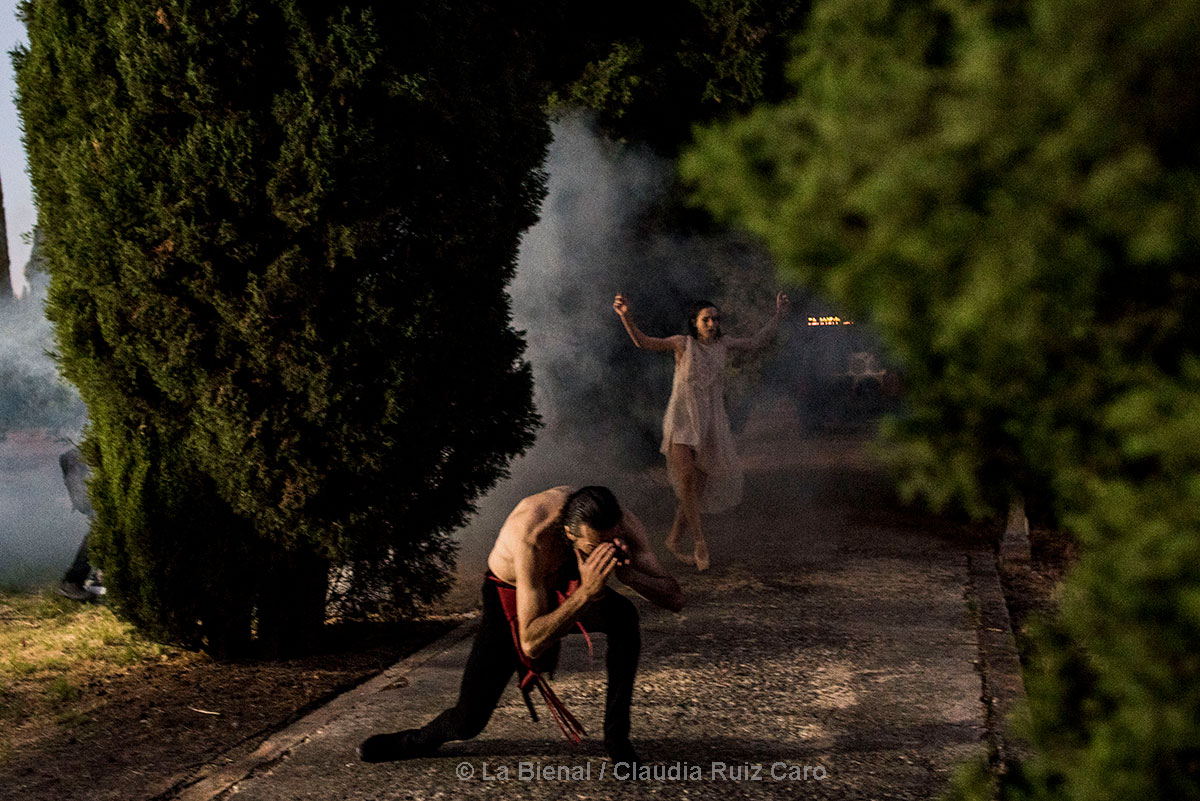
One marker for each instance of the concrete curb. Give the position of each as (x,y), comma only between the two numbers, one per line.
(1000,663)
(216,778)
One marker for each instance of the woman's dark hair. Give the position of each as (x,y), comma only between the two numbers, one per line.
(595,506)
(694,312)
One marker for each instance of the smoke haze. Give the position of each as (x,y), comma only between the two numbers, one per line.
(40,414)
(600,398)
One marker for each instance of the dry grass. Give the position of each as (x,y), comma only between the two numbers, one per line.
(51,649)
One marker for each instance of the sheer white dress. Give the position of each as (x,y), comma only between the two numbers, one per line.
(696,417)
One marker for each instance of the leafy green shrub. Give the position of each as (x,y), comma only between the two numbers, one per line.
(1010,192)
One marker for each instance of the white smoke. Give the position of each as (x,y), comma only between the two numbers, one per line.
(32,394)
(40,415)
(602,400)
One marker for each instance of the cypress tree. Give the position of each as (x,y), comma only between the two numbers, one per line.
(279,234)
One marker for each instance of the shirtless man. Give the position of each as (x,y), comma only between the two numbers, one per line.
(549,540)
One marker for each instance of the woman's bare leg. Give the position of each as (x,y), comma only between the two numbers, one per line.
(679,460)
(701,545)
(691,483)
(675,537)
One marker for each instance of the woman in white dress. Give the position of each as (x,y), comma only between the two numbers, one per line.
(702,464)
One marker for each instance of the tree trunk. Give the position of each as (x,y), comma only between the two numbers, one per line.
(5,272)
(291,605)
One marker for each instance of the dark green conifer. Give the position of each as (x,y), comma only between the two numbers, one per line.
(279,235)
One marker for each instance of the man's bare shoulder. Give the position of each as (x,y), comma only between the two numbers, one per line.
(528,528)
(528,534)
(531,517)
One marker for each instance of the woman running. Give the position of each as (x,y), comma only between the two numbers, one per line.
(702,464)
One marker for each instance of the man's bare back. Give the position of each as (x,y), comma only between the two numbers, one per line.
(526,528)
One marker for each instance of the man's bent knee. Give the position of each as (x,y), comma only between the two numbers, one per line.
(621,618)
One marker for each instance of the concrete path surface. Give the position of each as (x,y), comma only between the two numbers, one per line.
(831,652)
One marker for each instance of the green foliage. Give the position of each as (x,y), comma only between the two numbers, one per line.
(1119,671)
(933,175)
(607,83)
(650,76)
(1010,192)
(279,235)
(61,691)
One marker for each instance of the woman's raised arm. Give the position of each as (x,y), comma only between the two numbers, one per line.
(621,307)
(767,332)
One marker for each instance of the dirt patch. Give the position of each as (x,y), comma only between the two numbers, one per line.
(137,734)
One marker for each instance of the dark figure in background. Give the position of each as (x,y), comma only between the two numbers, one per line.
(547,576)
(74,584)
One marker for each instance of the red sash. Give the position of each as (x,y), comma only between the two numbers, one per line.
(572,729)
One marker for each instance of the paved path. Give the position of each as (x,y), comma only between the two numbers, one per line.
(831,652)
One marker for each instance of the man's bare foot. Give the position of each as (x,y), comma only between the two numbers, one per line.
(701,559)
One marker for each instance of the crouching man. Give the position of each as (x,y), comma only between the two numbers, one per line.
(548,576)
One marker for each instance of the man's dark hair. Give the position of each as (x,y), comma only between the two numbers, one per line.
(595,506)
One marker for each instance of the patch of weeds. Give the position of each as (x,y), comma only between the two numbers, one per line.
(19,667)
(88,651)
(128,655)
(72,719)
(63,691)
(52,606)
(52,648)
(55,664)
(973,779)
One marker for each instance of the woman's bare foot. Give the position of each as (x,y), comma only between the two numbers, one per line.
(701,558)
(681,555)
(673,538)
(675,544)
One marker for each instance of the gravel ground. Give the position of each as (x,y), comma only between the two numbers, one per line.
(833,651)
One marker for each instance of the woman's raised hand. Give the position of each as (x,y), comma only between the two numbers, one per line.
(620,306)
(782,304)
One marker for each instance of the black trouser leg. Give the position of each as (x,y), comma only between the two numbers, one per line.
(492,662)
(494,659)
(617,617)
(78,572)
